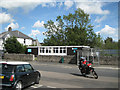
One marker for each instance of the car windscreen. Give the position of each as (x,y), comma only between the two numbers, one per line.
(6,67)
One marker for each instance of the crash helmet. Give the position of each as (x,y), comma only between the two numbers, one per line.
(82,58)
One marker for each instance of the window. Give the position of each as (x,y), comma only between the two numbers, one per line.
(29,50)
(28,67)
(42,50)
(62,50)
(46,50)
(7,68)
(55,49)
(49,49)
(20,68)
(24,41)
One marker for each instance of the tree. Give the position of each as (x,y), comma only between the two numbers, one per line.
(13,46)
(73,29)
(110,44)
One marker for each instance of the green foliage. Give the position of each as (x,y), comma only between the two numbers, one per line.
(36,58)
(73,29)
(13,46)
(110,44)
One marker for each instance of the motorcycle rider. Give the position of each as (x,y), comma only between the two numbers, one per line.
(82,62)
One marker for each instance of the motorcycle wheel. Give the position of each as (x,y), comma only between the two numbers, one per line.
(82,72)
(95,75)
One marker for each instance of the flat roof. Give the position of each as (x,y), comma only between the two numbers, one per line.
(13,62)
(58,46)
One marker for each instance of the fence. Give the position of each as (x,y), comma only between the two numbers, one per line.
(108,52)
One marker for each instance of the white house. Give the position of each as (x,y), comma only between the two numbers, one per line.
(22,38)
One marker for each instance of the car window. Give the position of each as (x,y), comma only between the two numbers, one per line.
(28,67)
(20,68)
(6,67)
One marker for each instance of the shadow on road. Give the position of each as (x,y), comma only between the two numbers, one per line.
(88,76)
(76,74)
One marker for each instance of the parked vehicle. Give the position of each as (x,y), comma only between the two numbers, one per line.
(87,68)
(17,75)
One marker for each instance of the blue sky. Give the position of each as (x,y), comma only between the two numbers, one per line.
(30,15)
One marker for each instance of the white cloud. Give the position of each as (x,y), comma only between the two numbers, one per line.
(38,24)
(68,3)
(13,26)
(26,5)
(92,7)
(98,20)
(60,4)
(97,26)
(34,33)
(5,18)
(108,31)
(22,27)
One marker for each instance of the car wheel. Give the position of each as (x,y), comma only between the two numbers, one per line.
(37,79)
(18,86)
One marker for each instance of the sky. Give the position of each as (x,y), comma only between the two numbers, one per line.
(29,16)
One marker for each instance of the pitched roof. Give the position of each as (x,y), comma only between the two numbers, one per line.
(15,33)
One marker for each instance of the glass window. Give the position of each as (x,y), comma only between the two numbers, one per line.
(29,50)
(28,67)
(24,41)
(6,67)
(64,51)
(46,50)
(60,51)
(20,68)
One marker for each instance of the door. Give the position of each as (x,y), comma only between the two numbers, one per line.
(21,74)
(30,73)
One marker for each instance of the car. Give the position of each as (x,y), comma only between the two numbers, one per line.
(16,75)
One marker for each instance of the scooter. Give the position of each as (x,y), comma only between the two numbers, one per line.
(88,69)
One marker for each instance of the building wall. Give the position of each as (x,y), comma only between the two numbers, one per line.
(25,41)
(56,50)
(1,44)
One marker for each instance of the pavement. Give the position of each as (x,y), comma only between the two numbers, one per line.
(74,65)
(65,65)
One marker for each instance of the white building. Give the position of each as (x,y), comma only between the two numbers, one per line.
(54,50)
(22,38)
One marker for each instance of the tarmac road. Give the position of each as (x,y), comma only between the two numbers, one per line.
(57,75)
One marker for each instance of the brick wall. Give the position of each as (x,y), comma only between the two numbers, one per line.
(104,60)
(19,57)
(67,59)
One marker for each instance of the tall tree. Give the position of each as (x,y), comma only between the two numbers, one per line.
(72,29)
(110,44)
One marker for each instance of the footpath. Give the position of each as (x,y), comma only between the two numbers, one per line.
(74,65)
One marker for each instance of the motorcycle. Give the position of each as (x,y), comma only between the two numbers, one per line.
(87,70)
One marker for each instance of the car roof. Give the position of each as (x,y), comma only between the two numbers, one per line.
(13,62)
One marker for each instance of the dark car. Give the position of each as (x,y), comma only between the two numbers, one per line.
(17,75)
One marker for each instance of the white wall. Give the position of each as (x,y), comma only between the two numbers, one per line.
(1,41)
(27,41)
(8,36)
(1,44)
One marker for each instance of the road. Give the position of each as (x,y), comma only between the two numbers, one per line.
(56,75)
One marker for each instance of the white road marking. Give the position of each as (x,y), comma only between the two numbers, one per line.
(36,86)
(51,87)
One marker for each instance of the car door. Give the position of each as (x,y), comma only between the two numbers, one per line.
(21,74)
(29,70)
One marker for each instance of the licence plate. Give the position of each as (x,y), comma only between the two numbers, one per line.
(1,77)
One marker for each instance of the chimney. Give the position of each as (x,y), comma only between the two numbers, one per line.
(9,29)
